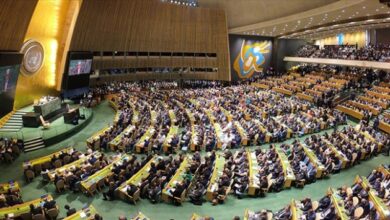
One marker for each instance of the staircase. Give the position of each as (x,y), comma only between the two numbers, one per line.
(14,123)
(33,144)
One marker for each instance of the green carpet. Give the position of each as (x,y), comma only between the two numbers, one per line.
(110,210)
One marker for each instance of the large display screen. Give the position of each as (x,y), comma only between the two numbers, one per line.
(9,72)
(77,67)
(76,74)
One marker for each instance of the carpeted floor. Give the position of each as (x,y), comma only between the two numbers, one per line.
(110,210)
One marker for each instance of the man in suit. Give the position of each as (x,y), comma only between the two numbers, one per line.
(131,189)
(324,202)
(49,204)
(69,211)
(35,210)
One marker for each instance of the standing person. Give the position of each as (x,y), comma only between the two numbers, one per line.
(7,77)
(376,123)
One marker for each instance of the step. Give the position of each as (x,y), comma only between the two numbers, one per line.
(34,148)
(33,144)
(13,123)
(9,129)
(12,126)
(32,141)
(16,119)
(19,113)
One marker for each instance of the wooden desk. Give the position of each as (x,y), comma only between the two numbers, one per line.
(350,112)
(94,141)
(371,138)
(148,134)
(135,180)
(261,86)
(283,91)
(74,164)
(87,213)
(383,170)
(140,216)
(384,127)
(178,177)
(305,97)
(87,185)
(47,158)
(14,187)
(365,107)
(227,113)
(254,181)
(338,153)
(296,212)
(242,132)
(263,129)
(374,101)
(173,131)
(219,163)
(355,145)
(115,144)
(18,210)
(338,205)
(379,95)
(382,89)
(314,160)
(289,176)
(380,206)
(116,108)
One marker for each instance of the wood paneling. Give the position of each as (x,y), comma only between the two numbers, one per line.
(15,16)
(153,26)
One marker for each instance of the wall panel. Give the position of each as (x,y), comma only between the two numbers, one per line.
(15,16)
(153,26)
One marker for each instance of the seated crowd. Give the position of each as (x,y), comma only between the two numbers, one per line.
(10,149)
(211,118)
(353,202)
(58,160)
(379,52)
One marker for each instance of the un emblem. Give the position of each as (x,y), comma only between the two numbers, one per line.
(33,57)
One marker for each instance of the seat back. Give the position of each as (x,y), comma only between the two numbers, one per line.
(30,174)
(37,168)
(358,212)
(26,216)
(67,159)
(38,217)
(60,184)
(58,163)
(52,213)
(15,149)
